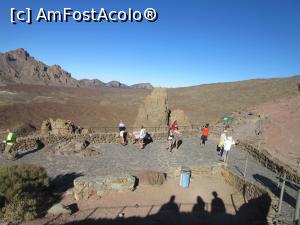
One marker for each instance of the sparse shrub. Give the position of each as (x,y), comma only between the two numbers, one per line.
(25,190)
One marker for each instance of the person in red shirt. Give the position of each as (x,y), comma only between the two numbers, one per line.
(204,134)
(174,125)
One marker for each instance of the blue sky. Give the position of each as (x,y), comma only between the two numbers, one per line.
(192,42)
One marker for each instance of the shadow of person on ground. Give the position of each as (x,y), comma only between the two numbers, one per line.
(39,145)
(199,207)
(169,212)
(170,206)
(253,212)
(272,186)
(217,204)
(179,144)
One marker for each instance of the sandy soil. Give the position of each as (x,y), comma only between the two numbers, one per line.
(147,200)
(281,133)
(88,107)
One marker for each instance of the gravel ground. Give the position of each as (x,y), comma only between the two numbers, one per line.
(116,159)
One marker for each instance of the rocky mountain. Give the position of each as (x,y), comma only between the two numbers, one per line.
(115,83)
(19,67)
(91,83)
(143,85)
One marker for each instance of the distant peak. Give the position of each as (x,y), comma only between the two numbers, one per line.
(19,53)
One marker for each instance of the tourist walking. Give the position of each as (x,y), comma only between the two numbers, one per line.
(171,140)
(10,141)
(227,147)
(220,146)
(204,134)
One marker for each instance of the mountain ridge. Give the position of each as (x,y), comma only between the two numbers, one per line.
(18,66)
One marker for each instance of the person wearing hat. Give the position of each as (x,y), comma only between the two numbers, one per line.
(227,147)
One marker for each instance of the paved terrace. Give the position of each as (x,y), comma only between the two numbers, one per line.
(114,159)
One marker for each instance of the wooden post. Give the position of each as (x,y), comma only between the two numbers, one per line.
(246,165)
(281,194)
(296,215)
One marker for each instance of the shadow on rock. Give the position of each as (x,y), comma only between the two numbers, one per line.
(272,186)
(39,145)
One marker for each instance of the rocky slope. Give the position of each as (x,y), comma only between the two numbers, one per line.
(19,67)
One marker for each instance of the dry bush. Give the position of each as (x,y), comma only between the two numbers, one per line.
(25,190)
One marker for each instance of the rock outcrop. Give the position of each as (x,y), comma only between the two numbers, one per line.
(59,127)
(74,147)
(59,209)
(152,178)
(154,111)
(86,187)
(143,85)
(19,67)
(181,118)
(24,129)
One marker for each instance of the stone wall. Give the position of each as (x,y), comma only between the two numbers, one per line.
(269,162)
(247,188)
(260,201)
(30,142)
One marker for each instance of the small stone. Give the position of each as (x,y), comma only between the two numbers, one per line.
(69,191)
(59,209)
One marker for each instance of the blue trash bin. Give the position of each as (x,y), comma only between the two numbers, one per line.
(185,178)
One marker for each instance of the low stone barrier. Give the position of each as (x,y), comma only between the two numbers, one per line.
(30,142)
(269,162)
(258,198)
(86,187)
(247,188)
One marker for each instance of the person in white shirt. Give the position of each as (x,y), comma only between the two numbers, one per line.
(121,126)
(220,147)
(227,147)
(143,134)
(123,133)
